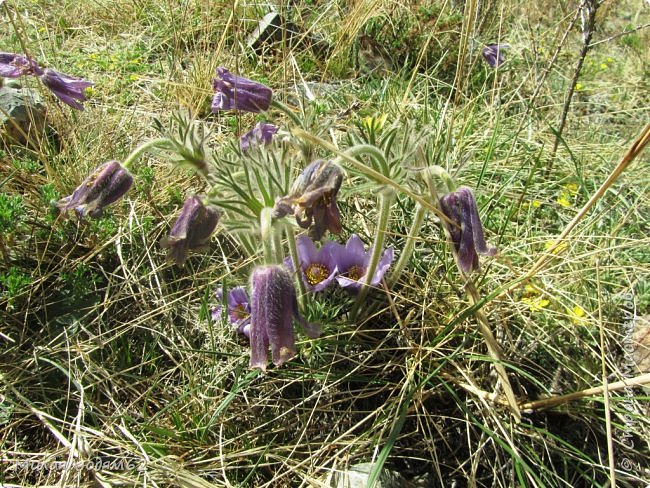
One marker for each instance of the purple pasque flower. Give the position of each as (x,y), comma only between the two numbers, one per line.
(352,262)
(107,184)
(467,234)
(17,65)
(494,55)
(69,89)
(239,93)
(312,199)
(238,308)
(273,306)
(192,229)
(262,133)
(317,266)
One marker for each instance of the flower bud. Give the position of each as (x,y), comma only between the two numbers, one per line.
(312,199)
(68,89)
(192,229)
(467,235)
(273,306)
(107,184)
(238,93)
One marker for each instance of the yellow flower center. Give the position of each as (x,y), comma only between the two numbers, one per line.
(240,312)
(355,273)
(316,273)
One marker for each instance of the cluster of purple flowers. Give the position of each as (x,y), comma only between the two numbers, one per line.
(347,264)
(69,89)
(266,318)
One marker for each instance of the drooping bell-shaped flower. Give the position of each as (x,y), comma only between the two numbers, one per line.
(317,266)
(312,199)
(107,184)
(17,65)
(494,54)
(238,308)
(273,308)
(69,89)
(262,133)
(352,262)
(467,234)
(239,93)
(192,229)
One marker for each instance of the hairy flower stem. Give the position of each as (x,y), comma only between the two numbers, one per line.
(277,245)
(266,228)
(386,198)
(161,143)
(373,152)
(407,251)
(293,252)
(288,112)
(493,348)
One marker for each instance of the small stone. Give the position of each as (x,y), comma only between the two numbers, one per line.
(22,115)
(359,474)
(272,29)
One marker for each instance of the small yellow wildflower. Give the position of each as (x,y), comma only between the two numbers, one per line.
(536,204)
(610,60)
(374,123)
(603,65)
(578,315)
(579,86)
(531,290)
(134,77)
(561,247)
(571,188)
(564,201)
(536,303)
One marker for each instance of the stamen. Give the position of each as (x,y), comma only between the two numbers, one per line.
(355,273)
(316,273)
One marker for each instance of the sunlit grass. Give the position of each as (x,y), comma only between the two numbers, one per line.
(109,352)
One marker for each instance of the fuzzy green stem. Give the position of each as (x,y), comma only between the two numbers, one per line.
(407,251)
(447,183)
(277,245)
(162,143)
(266,228)
(293,251)
(287,111)
(386,198)
(373,152)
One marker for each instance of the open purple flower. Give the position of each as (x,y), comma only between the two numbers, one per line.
(238,308)
(17,65)
(69,89)
(238,93)
(467,234)
(107,184)
(192,229)
(273,306)
(317,266)
(494,54)
(312,199)
(262,133)
(352,262)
